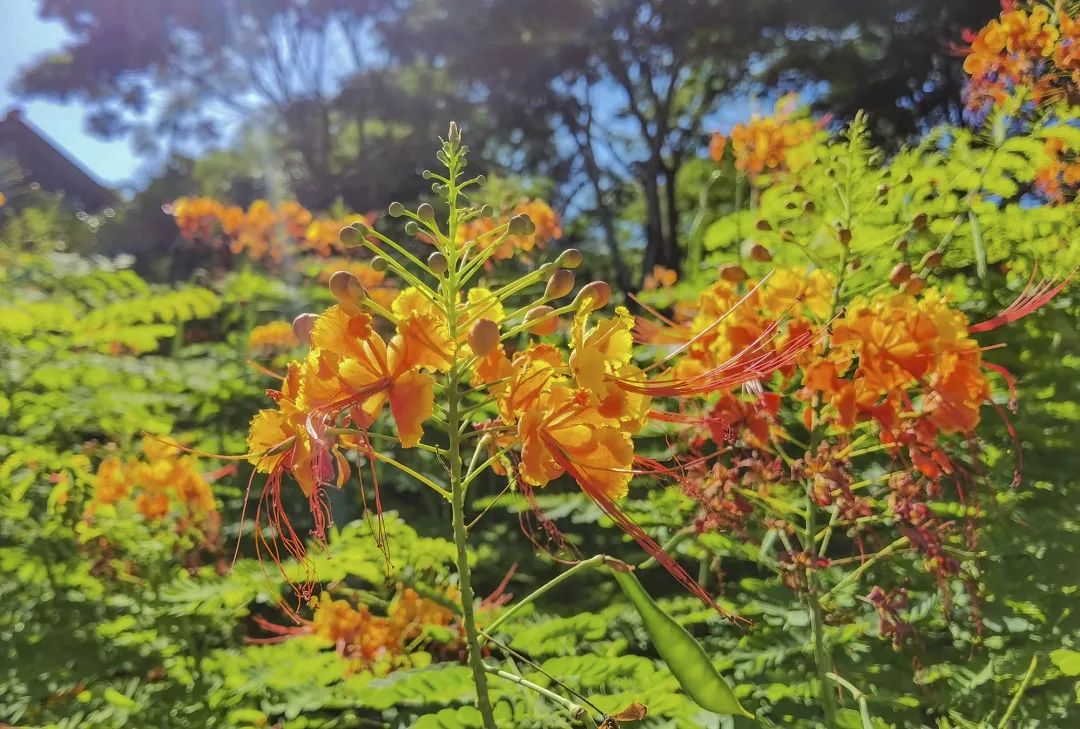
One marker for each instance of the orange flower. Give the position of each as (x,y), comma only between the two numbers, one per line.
(273,336)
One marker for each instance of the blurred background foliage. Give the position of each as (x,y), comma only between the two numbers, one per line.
(118,322)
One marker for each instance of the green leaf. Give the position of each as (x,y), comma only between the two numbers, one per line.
(1067,661)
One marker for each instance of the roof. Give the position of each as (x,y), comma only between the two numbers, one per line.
(41,161)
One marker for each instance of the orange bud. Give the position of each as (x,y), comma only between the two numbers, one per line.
(900,274)
(760,253)
(484,337)
(348,291)
(732,272)
(560,284)
(302,326)
(598,292)
(914,285)
(545,327)
(932,259)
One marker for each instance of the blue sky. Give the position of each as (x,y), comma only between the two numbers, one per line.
(23,38)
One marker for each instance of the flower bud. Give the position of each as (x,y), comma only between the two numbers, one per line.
(901,245)
(882,190)
(545,327)
(844,236)
(597,292)
(454,134)
(411,228)
(350,236)
(302,326)
(570,258)
(487,211)
(559,285)
(919,222)
(520,225)
(759,253)
(396,210)
(378,263)
(348,291)
(932,259)
(900,274)
(914,285)
(732,272)
(808,206)
(484,337)
(425,212)
(763,224)
(437,263)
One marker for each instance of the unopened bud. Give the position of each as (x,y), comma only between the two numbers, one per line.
(378,263)
(559,285)
(425,212)
(454,134)
(919,222)
(350,236)
(348,291)
(302,326)
(844,236)
(732,272)
(760,253)
(396,210)
(901,245)
(520,225)
(545,327)
(882,190)
(597,292)
(487,211)
(900,274)
(932,259)
(437,263)
(914,285)
(411,228)
(484,337)
(763,225)
(808,206)
(570,258)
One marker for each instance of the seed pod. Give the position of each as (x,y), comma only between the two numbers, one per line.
(350,236)
(396,210)
(914,285)
(598,292)
(919,222)
(570,258)
(732,273)
(932,259)
(378,263)
(302,326)
(763,224)
(545,327)
(759,253)
(484,337)
(437,263)
(684,656)
(900,274)
(348,291)
(559,285)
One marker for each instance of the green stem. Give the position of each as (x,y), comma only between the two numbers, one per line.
(540,591)
(576,711)
(1019,693)
(821,650)
(854,575)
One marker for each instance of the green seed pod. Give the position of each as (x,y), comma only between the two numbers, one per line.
(396,210)
(484,337)
(303,325)
(597,292)
(425,212)
(559,285)
(684,656)
(570,258)
(545,327)
(437,263)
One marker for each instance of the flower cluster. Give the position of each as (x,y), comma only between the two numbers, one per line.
(275,336)
(1061,175)
(540,409)
(262,232)
(546,228)
(1034,49)
(766,143)
(163,485)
